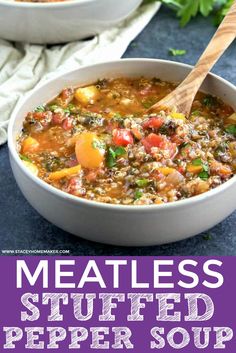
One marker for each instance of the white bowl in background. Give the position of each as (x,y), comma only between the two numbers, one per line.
(60,22)
(119,224)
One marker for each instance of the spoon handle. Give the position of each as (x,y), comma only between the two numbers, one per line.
(183,96)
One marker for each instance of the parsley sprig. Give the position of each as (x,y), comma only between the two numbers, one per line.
(188,9)
(113,154)
(177,52)
(204,174)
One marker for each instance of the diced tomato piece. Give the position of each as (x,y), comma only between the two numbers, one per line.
(160,141)
(57,118)
(43,117)
(122,137)
(181,169)
(153,123)
(153,140)
(39,115)
(67,124)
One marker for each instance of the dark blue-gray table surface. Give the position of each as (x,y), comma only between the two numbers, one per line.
(21,227)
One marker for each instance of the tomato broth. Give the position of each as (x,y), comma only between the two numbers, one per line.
(100,143)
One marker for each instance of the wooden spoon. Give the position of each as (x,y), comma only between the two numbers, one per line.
(181,99)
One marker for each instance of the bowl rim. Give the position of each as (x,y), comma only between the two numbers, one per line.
(42,5)
(94,204)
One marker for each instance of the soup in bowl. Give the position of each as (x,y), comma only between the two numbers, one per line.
(103,167)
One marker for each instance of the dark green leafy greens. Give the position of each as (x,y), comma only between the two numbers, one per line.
(231,129)
(210,101)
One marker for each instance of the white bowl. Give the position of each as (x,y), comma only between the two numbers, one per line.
(118,224)
(60,22)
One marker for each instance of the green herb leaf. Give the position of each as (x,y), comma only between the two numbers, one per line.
(197,161)
(53,107)
(231,129)
(119,151)
(111,158)
(112,155)
(205,167)
(66,110)
(24,158)
(40,108)
(203,175)
(142,182)
(187,9)
(222,12)
(138,194)
(177,52)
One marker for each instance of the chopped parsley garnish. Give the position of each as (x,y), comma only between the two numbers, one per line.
(177,52)
(188,9)
(197,161)
(231,129)
(111,158)
(24,158)
(71,106)
(39,109)
(53,107)
(66,110)
(203,175)
(138,194)
(119,151)
(112,155)
(142,182)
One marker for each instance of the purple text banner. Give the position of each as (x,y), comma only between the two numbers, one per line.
(117,304)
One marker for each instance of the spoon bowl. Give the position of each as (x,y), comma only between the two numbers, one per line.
(120,224)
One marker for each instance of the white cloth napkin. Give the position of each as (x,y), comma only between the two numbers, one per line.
(23,66)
